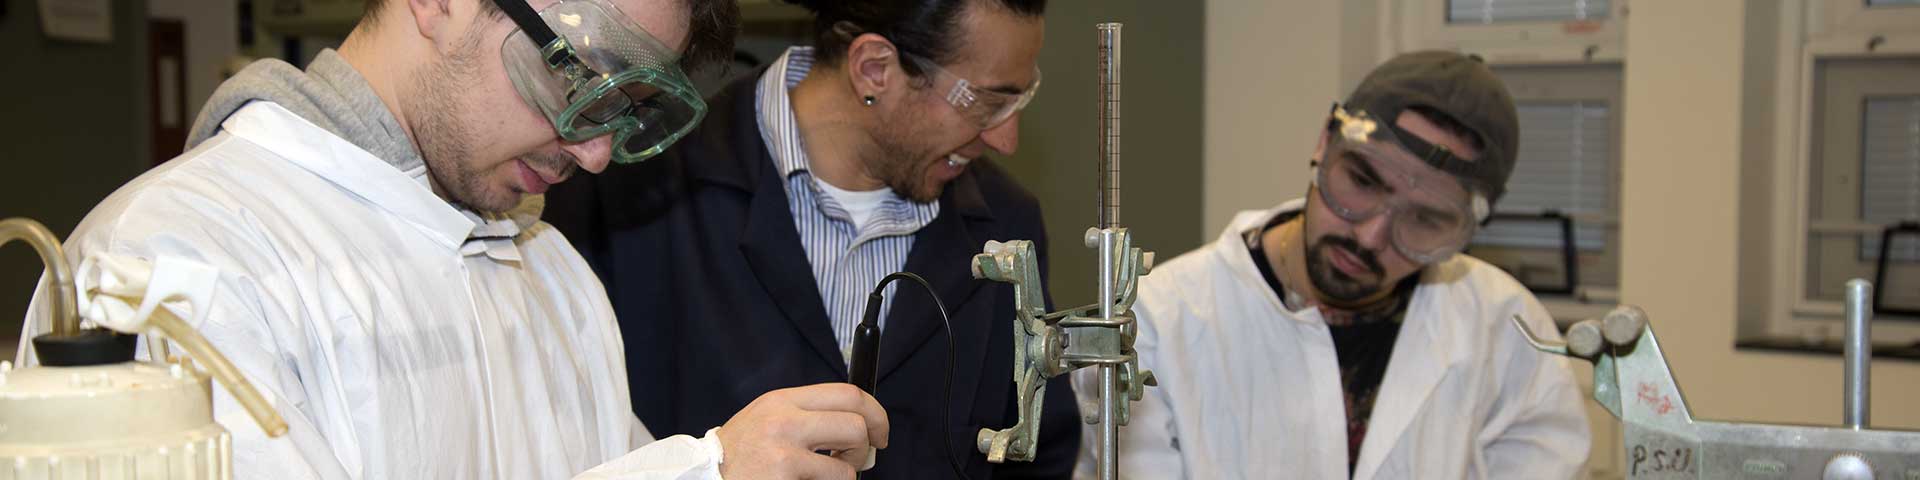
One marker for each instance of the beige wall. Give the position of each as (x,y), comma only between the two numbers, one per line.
(1763,42)
(1272,68)
(1680,246)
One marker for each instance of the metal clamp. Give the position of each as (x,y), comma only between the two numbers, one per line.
(1632,380)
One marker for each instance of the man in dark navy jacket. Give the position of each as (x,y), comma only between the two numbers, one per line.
(740,262)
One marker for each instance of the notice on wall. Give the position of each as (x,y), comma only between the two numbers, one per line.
(77,20)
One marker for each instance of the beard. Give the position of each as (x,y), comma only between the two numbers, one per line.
(439,112)
(903,167)
(1336,285)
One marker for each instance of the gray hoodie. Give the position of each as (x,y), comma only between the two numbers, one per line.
(330,93)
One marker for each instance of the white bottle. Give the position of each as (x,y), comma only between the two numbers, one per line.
(91,411)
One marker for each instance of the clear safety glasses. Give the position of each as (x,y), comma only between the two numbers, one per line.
(981,107)
(1366,172)
(984,108)
(592,71)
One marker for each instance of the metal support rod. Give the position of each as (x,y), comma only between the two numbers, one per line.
(1109,73)
(1109,468)
(1108,39)
(1859,351)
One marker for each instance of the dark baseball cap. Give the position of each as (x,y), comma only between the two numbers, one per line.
(1463,89)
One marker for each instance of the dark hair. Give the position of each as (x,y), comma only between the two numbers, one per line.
(711,27)
(925,28)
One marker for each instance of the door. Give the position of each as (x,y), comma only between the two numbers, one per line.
(167,87)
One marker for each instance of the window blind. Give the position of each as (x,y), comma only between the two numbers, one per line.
(1497,11)
(1890,171)
(1564,164)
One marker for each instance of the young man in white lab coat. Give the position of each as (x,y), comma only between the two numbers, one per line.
(375,286)
(1342,335)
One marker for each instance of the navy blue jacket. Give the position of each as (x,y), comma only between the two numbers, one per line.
(717,304)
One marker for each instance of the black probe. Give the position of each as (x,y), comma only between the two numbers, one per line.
(863,369)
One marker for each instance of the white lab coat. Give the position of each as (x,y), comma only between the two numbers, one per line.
(1249,389)
(394,345)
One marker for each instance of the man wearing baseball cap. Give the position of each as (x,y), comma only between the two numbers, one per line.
(1344,335)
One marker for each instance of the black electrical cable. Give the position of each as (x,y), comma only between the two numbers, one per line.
(866,350)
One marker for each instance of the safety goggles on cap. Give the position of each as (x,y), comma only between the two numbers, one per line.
(593,72)
(1366,171)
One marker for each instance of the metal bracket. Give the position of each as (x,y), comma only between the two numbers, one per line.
(1047,345)
(1663,440)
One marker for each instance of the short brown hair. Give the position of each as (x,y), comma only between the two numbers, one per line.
(711,27)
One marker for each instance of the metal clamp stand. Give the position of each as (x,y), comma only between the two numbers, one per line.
(1663,440)
(1099,335)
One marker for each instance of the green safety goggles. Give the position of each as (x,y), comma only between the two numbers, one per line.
(592,71)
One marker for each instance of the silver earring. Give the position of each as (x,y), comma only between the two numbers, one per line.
(867,100)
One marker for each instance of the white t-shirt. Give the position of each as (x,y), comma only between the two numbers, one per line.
(860,205)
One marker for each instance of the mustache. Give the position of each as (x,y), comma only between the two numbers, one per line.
(561,164)
(1353,247)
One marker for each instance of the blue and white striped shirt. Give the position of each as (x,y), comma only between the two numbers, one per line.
(847,260)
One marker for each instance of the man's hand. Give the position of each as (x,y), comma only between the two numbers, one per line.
(777,435)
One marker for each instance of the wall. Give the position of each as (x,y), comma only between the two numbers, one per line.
(75,129)
(1761,44)
(1681,251)
(212,38)
(1161,134)
(1272,70)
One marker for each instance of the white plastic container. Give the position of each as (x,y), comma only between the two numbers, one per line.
(126,420)
(99,414)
